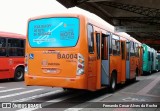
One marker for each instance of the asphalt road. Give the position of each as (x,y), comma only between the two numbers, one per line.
(142,95)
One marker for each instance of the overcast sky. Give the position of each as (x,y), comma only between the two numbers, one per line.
(15,13)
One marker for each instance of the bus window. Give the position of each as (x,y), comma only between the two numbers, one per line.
(90,39)
(132,49)
(123,50)
(115,45)
(136,50)
(152,56)
(149,56)
(54,32)
(104,48)
(16,47)
(110,44)
(98,45)
(128,50)
(2,47)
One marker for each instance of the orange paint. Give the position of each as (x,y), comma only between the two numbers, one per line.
(78,67)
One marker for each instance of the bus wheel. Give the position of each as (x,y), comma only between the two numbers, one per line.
(113,82)
(65,89)
(137,72)
(19,74)
(68,89)
(134,79)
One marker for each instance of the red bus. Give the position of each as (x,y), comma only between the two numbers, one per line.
(12,52)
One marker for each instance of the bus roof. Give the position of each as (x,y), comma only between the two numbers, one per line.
(105,25)
(110,28)
(12,35)
(55,15)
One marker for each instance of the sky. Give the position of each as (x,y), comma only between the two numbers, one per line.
(15,13)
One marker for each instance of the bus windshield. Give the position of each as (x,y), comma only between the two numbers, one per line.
(53,32)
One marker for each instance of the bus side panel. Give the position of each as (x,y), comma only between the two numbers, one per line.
(5,68)
(105,75)
(127,59)
(154,60)
(15,63)
(115,65)
(123,55)
(105,61)
(140,61)
(147,60)
(92,64)
(132,60)
(98,61)
(158,61)
(92,72)
(132,67)
(127,69)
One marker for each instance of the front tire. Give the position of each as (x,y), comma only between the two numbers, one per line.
(136,74)
(134,79)
(19,74)
(113,82)
(150,72)
(68,89)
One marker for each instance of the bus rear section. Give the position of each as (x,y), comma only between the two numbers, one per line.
(53,54)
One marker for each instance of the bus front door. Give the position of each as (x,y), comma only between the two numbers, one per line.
(140,60)
(94,66)
(105,60)
(123,57)
(128,60)
(98,36)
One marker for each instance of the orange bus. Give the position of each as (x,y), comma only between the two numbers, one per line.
(12,54)
(73,51)
(139,57)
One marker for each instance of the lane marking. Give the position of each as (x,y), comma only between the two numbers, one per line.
(122,109)
(20,93)
(7,90)
(85,105)
(2,87)
(73,109)
(133,99)
(38,96)
(140,94)
(51,102)
(146,89)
